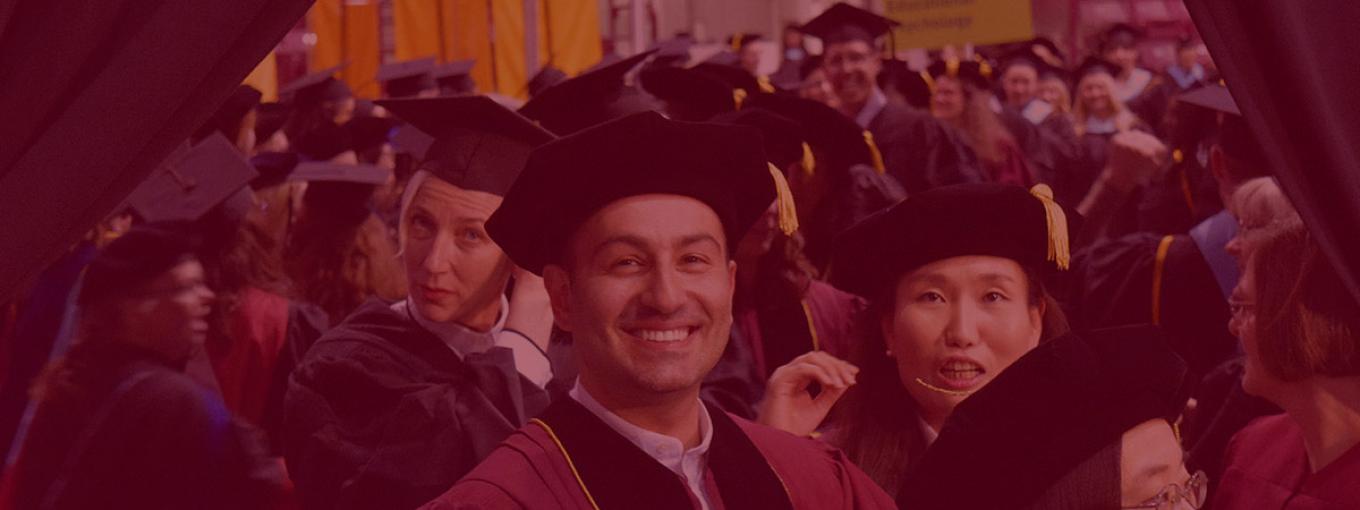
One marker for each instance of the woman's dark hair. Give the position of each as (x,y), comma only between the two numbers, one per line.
(880,423)
(340,254)
(1093,484)
(236,255)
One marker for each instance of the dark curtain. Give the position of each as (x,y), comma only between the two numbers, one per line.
(1290,65)
(94,94)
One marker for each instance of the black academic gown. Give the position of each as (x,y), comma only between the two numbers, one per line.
(862,193)
(921,152)
(382,414)
(124,430)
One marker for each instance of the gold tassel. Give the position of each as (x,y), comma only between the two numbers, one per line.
(736,42)
(1177,156)
(738,96)
(930,80)
(951,68)
(873,153)
(809,162)
(788,214)
(984,68)
(765,85)
(1059,249)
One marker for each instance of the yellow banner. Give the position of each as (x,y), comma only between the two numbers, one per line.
(938,23)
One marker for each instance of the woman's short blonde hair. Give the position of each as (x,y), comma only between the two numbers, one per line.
(1307,322)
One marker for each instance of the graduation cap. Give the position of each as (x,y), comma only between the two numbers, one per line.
(369,133)
(1212,97)
(478,144)
(412,140)
(1235,136)
(739,41)
(736,77)
(544,78)
(844,22)
(782,137)
(1119,35)
(673,51)
(269,119)
(1040,53)
(407,78)
(997,220)
(456,77)
(320,171)
(568,180)
(273,168)
(315,88)
(914,86)
(324,142)
(838,141)
(1046,414)
(591,98)
(689,94)
(976,73)
(1095,65)
(1148,278)
(192,181)
(145,252)
(228,118)
(724,58)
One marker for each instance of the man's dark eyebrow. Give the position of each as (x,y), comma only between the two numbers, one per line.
(700,238)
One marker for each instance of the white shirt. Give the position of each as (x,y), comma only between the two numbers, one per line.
(875,104)
(690,465)
(531,362)
(1133,85)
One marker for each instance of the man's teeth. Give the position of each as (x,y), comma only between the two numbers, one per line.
(663,335)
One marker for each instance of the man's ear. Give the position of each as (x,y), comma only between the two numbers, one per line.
(558,283)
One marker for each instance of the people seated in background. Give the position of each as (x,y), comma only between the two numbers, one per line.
(1300,328)
(1083,422)
(118,421)
(961,97)
(955,280)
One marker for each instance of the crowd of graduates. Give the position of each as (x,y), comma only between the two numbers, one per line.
(1010,279)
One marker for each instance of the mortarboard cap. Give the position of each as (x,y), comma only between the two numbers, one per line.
(1234,136)
(412,140)
(315,88)
(273,168)
(568,180)
(192,181)
(455,78)
(978,74)
(735,77)
(1147,278)
(673,51)
(407,78)
(319,171)
(593,97)
(136,258)
(1040,53)
(724,58)
(269,119)
(688,94)
(839,142)
(478,144)
(1046,414)
(544,78)
(782,138)
(843,22)
(997,220)
(912,85)
(740,40)
(368,133)
(324,142)
(228,118)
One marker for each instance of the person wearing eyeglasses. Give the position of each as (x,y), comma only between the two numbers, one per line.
(1083,421)
(1300,329)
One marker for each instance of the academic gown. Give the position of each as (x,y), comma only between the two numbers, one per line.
(128,431)
(1267,469)
(381,413)
(921,152)
(570,459)
(863,193)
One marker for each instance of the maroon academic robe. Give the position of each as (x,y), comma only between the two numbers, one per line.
(1268,470)
(569,459)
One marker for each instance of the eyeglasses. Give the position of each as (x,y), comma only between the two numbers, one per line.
(1193,493)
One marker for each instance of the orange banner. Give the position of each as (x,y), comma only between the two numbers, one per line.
(347,31)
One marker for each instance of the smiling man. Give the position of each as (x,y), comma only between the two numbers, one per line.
(391,407)
(919,151)
(632,224)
